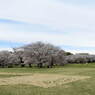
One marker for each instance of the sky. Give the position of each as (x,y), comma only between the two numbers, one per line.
(69,24)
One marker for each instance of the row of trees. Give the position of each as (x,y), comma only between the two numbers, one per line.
(80,58)
(41,55)
(38,54)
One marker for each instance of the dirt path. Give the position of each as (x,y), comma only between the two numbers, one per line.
(42,80)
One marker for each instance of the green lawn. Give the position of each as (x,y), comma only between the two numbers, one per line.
(80,87)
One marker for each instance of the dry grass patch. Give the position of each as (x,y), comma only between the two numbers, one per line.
(9,73)
(42,80)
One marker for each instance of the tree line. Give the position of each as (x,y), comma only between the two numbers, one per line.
(41,55)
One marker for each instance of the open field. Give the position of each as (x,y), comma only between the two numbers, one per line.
(75,79)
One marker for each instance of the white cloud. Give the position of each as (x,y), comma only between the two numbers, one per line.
(4,49)
(12,35)
(48,12)
(82,51)
(58,15)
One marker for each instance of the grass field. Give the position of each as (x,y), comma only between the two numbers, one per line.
(72,79)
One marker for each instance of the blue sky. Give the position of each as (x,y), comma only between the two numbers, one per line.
(69,24)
